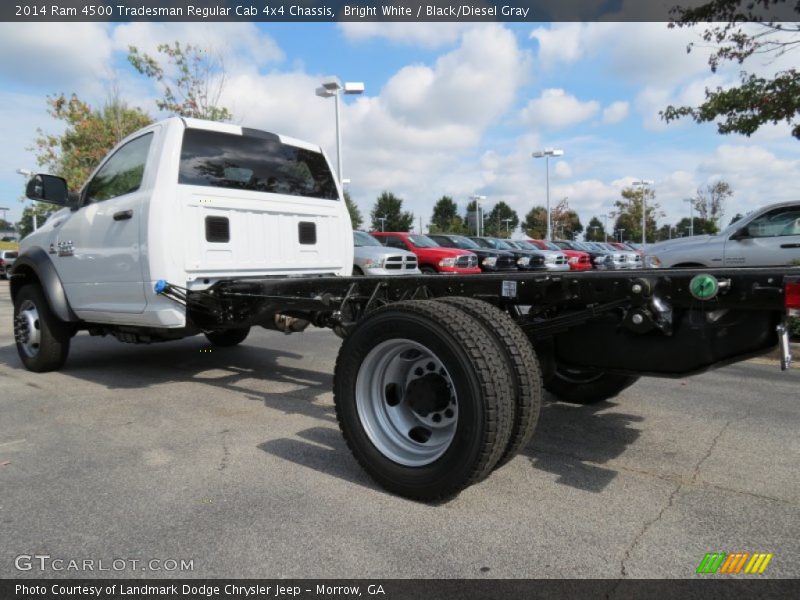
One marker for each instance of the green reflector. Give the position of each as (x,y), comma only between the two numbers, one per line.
(704,287)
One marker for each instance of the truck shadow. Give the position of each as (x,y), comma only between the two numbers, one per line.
(321,449)
(573,441)
(238,370)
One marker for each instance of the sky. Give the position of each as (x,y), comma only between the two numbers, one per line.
(453,109)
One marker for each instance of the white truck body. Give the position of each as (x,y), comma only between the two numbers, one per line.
(109,253)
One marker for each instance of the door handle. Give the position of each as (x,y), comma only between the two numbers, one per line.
(790,245)
(123,215)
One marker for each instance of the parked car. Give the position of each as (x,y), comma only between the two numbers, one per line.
(527,259)
(577,259)
(769,236)
(7,258)
(633,260)
(431,257)
(488,259)
(601,258)
(370,257)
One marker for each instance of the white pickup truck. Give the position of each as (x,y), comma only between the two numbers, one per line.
(189,227)
(186,201)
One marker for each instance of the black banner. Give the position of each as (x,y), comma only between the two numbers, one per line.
(366,10)
(395,589)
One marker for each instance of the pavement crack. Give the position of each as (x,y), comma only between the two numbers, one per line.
(226,452)
(670,501)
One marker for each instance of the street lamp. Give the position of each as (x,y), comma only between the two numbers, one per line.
(478,216)
(621,231)
(383,222)
(507,221)
(27,173)
(546,154)
(332,87)
(643,183)
(691,215)
(606,217)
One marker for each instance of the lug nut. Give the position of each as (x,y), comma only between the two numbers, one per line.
(637,319)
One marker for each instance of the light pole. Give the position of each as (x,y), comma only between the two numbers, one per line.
(605,230)
(621,231)
(691,215)
(333,87)
(594,228)
(27,173)
(478,216)
(546,154)
(507,221)
(643,183)
(383,222)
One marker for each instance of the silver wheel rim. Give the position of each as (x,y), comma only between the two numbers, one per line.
(406,402)
(27,332)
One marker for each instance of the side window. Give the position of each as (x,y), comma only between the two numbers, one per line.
(778,222)
(394,242)
(122,173)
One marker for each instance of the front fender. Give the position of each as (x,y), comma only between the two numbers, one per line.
(35,264)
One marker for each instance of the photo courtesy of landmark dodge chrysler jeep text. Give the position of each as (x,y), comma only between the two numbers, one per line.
(190,227)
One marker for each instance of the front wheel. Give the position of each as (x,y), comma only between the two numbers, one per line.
(227,337)
(586,386)
(423,399)
(427,270)
(42,339)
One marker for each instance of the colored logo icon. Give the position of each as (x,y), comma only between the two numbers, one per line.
(735,563)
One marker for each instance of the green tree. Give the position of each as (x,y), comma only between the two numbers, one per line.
(496,224)
(192,82)
(87,135)
(738,30)
(736,217)
(564,222)
(629,213)
(390,207)
(535,223)
(445,217)
(709,203)
(595,231)
(43,211)
(355,213)
(701,227)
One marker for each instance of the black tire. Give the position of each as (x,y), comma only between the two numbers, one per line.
(428,270)
(526,377)
(586,387)
(32,310)
(227,337)
(480,379)
(357,272)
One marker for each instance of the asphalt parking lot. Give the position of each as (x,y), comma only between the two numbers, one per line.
(232,459)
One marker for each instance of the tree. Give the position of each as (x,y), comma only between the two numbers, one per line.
(355,213)
(87,137)
(390,207)
(710,200)
(701,227)
(42,210)
(564,222)
(535,223)
(736,217)
(629,213)
(595,231)
(496,224)
(445,217)
(191,84)
(740,29)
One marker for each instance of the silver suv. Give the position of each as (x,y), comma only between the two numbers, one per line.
(767,237)
(373,258)
(7,260)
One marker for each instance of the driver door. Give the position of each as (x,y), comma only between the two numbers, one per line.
(772,239)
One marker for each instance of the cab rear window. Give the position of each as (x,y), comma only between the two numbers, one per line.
(257,162)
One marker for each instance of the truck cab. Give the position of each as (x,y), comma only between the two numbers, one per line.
(193,203)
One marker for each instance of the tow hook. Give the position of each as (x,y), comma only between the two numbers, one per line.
(783,341)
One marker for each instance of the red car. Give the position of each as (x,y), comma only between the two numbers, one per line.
(578,261)
(432,257)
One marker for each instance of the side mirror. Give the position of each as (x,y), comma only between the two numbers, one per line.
(741,234)
(48,188)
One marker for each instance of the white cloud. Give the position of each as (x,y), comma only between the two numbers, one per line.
(616,112)
(556,109)
(55,54)
(427,35)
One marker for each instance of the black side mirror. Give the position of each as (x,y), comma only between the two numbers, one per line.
(741,234)
(48,188)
